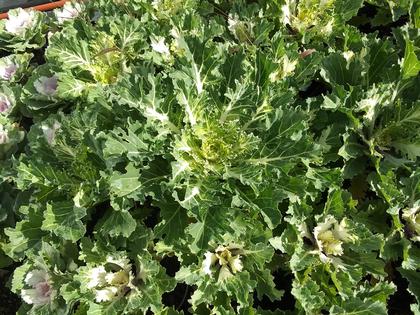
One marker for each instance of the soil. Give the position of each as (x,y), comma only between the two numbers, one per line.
(10,302)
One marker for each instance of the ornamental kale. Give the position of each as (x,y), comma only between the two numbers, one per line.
(211,157)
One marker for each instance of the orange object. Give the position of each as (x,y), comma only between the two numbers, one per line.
(41,7)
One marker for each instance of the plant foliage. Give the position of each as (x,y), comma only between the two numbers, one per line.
(270,148)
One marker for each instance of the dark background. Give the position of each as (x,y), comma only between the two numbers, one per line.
(6,5)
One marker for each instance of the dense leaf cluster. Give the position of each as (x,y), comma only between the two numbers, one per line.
(270,148)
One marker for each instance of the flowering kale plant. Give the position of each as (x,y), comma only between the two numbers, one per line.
(211,157)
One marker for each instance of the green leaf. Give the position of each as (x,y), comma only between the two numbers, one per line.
(411,64)
(232,69)
(46,177)
(415,308)
(70,55)
(308,295)
(267,203)
(348,9)
(334,204)
(335,70)
(239,286)
(286,241)
(25,237)
(355,306)
(116,223)
(412,187)
(114,307)
(413,278)
(381,291)
(135,142)
(368,261)
(285,141)
(128,30)
(266,286)
(69,87)
(174,220)
(127,184)
(64,220)
(18,280)
(383,60)
(210,224)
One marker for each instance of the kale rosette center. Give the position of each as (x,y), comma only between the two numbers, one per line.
(212,147)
